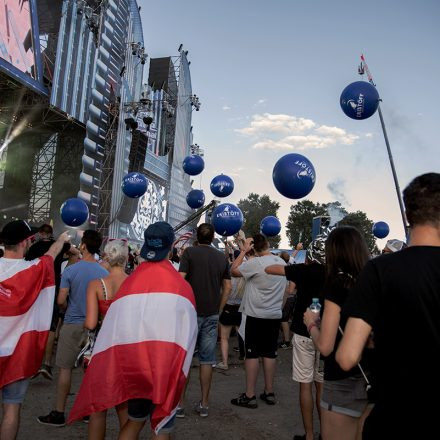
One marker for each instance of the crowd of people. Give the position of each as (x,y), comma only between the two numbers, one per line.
(365,359)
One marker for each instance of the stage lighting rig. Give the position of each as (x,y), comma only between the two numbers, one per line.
(195,102)
(135,47)
(196,150)
(137,50)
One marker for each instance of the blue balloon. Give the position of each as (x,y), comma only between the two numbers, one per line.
(195,198)
(227,219)
(381,229)
(74,212)
(222,186)
(134,185)
(270,226)
(359,100)
(193,165)
(294,176)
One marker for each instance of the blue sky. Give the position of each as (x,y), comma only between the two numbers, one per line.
(269,76)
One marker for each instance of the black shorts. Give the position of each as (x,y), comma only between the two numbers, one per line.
(140,409)
(261,337)
(288,309)
(230,315)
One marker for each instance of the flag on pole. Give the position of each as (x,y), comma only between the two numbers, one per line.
(184,238)
(27,290)
(144,347)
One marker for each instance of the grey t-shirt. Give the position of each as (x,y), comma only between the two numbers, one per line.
(205,269)
(263,293)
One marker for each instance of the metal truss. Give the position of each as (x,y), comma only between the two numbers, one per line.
(106,183)
(42,181)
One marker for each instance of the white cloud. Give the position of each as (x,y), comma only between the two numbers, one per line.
(369,135)
(296,133)
(226,108)
(268,122)
(260,102)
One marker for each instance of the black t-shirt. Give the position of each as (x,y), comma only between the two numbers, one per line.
(337,292)
(309,280)
(205,269)
(39,248)
(399,296)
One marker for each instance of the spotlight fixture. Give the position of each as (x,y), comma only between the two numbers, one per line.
(131,123)
(147,120)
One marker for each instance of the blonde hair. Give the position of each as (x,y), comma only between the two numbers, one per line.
(116,252)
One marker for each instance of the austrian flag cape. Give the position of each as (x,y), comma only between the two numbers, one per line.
(27,290)
(144,347)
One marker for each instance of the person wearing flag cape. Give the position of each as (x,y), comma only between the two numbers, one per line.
(144,348)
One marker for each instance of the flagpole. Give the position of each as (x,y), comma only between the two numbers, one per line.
(393,169)
(364,68)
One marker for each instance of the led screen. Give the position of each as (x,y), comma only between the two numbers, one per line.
(16,35)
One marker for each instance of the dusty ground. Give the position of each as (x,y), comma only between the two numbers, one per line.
(225,421)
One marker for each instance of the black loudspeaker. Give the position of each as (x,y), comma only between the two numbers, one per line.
(128,210)
(138,151)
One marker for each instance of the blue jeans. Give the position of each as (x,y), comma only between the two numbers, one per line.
(15,391)
(207,338)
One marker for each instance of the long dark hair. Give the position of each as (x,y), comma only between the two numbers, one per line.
(346,253)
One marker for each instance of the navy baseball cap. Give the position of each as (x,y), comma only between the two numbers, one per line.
(159,237)
(15,232)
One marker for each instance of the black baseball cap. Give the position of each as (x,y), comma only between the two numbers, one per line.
(15,232)
(159,237)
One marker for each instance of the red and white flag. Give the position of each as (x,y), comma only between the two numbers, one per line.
(144,347)
(27,290)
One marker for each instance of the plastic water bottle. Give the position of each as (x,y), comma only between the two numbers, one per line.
(315,306)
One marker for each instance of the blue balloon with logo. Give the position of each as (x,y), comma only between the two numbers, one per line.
(359,100)
(193,165)
(222,186)
(294,176)
(74,212)
(227,219)
(195,198)
(270,226)
(381,229)
(134,185)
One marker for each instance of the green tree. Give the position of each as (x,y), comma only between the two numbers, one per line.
(360,221)
(255,208)
(299,222)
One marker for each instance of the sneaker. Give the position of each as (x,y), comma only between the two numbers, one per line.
(269,398)
(221,366)
(245,401)
(46,371)
(299,437)
(180,413)
(202,410)
(54,418)
(286,345)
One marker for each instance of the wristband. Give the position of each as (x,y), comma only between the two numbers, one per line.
(309,328)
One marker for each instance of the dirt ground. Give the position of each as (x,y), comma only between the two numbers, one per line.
(225,421)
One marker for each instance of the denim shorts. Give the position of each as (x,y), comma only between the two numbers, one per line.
(207,338)
(15,391)
(140,410)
